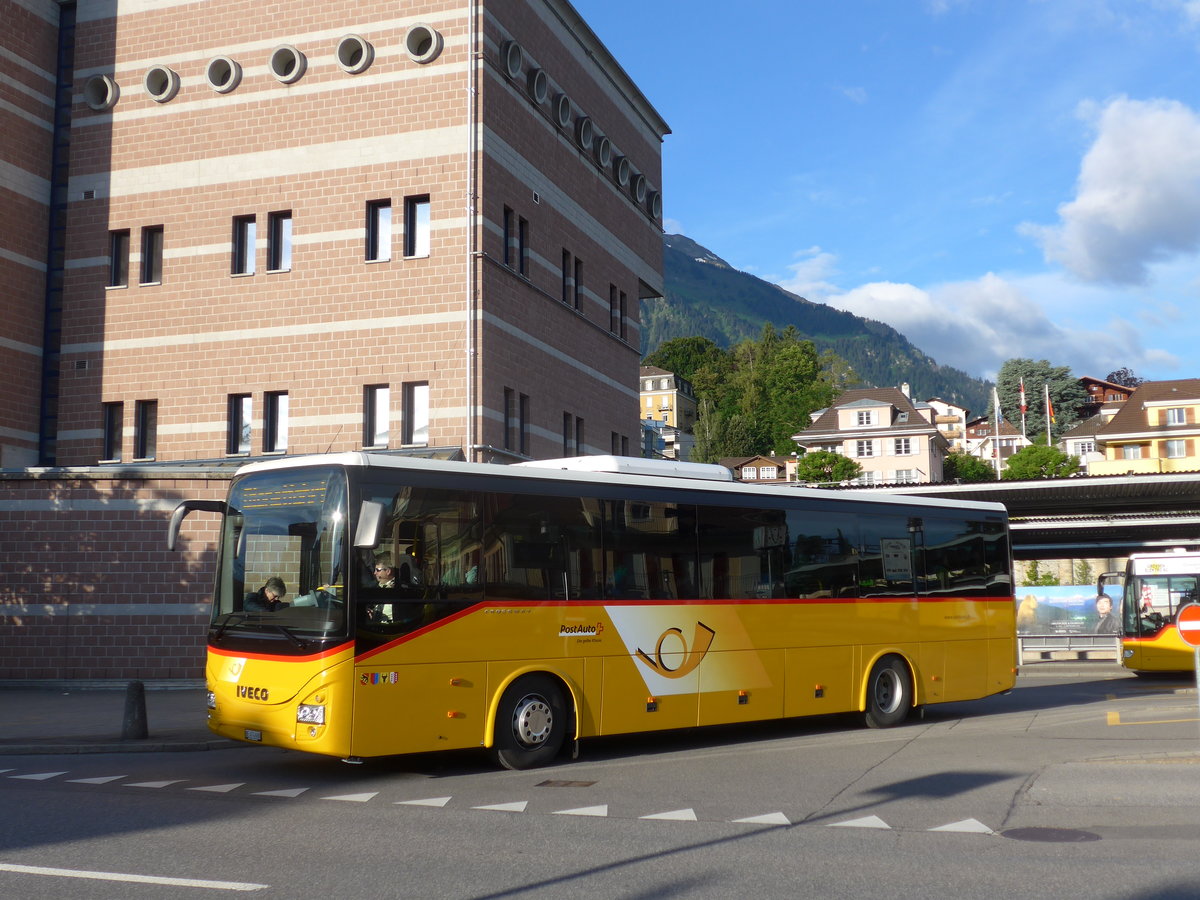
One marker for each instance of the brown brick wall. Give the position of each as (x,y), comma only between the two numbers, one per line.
(82,555)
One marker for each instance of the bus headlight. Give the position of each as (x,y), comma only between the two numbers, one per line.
(211,699)
(310,714)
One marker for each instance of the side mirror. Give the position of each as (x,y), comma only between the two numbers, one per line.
(181,513)
(371,517)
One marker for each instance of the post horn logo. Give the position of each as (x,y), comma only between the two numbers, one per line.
(701,641)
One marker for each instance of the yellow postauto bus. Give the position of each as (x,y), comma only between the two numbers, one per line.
(368,604)
(1156,586)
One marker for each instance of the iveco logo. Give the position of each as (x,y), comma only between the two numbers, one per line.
(252,693)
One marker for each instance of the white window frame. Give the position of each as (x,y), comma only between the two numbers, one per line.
(903,447)
(1176,449)
(1131,451)
(749,473)
(861,446)
(865,418)
(1176,415)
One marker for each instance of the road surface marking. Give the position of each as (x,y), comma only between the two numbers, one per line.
(134,879)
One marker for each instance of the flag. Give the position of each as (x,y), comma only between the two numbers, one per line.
(1023,396)
(996,405)
(1050,407)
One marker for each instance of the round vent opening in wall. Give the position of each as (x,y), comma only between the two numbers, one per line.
(161,83)
(621,171)
(656,204)
(585,133)
(223,74)
(423,43)
(638,188)
(100,92)
(604,152)
(355,54)
(538,85)
(562,110)
(287,64)
(514,58)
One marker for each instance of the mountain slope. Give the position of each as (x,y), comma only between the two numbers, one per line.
(706,296)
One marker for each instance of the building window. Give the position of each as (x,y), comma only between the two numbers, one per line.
(568,434)
(614,314)
(1177,415)
(376,415)
(906,476)
(415,413)
(767,473)
(279,241)
(865,417)
(864,448)
(275,422)
(579,442)
(749,473)
(379,230)
(1086,447)
(621,311)
(118,258)
(523,246)
(114,415)
(152,254)
(510,238)
(624,445)
(241,410)
(416,226)
(615,444)
(523,422)
(1131,451)
(866,478)
(145,429)
(245,230)
(903,447)
(510,419)
(577,291)
(1176,449)
(568,277)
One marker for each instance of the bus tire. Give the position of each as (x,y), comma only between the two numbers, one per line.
(531,723)
(889,693)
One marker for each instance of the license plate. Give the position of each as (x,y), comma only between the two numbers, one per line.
(253,735)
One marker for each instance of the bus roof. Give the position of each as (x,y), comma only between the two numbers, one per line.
(601,470)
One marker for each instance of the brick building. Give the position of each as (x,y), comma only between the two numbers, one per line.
(312,227)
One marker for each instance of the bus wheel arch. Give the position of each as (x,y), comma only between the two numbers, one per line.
(532,721)
(888,692)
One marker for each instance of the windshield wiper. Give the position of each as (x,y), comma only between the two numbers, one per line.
(229,617)
(242,617)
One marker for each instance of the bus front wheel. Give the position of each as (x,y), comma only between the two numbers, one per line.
(889,693)
(531,723)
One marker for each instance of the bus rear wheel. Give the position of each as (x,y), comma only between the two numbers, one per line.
(531,723)
(889,693)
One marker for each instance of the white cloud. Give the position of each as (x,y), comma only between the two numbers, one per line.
(976,325)
(811,273)
(1137,196)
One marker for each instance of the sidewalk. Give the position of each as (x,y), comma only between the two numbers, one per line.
(89,717)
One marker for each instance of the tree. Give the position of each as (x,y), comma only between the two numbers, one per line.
(962,466)
(1125,377)
(1066,395)
(684,356)
(1040,461)
(1083,569)
(1035,577)
(823,467)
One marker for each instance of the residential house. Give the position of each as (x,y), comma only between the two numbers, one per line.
(894,440)
(988,442)
(1099,393)
(668,398)
(951,420)
(1156,430)
(757,469)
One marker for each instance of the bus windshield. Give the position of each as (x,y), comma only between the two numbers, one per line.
(1151,601)
(281,588)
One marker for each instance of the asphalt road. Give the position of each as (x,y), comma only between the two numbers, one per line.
(1084,780)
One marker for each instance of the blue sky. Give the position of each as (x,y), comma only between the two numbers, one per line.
(992,178)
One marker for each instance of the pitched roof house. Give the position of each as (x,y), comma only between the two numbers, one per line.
(1156,430)
(884,431)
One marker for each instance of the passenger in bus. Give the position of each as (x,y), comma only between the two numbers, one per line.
(390,575)
(1107,623)
(267,598)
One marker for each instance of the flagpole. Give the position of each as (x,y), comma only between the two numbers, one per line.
(1049,414)
(997,418)
(1023,435)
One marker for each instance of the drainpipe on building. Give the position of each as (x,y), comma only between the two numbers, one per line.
(475,50)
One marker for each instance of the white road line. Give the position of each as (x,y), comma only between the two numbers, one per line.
(155,784)
(776,818)
(864,822)
(134,879)
(40,776)
(518,806)
(678,815)
(601,810)
(354,798)
(431,801)
(966,826)
(287,792)
(219,788)
(103,779)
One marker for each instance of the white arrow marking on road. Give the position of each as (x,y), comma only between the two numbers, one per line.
(968,826)
(432,801)
(103,779)
(40,776)
(775,818)
(220,788)
(136,879)
(289,792)
(865,822)
(354,798)
(519,806)
(678,815)
(584,811)
(154,784)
